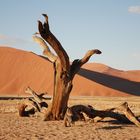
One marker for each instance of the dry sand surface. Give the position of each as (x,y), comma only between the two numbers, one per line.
(13,127)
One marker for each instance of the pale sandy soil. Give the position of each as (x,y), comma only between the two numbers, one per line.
(13,127)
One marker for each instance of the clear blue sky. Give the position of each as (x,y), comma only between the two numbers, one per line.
(113,26)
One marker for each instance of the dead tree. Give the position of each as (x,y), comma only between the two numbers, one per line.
(122,113)
(64,72)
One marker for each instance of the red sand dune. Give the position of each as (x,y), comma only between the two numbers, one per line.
(20,69)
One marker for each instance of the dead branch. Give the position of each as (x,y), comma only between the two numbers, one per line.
(88,55)
(36,102)
(54,43)
(23,112)
(77,63)
(122,113)
(129,114)
(68,121)
(46,49)
(38,97)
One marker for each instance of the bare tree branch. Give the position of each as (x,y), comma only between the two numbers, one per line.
(36,97)
(126,116)
(46,49)
(129,114)
(88,55)
(75,67)
(23,112)
(54,43)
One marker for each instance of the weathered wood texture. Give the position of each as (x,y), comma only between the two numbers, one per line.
(37,103)
(122,113)
(75,113)
(63,71)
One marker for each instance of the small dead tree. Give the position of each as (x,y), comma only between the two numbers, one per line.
(64,72)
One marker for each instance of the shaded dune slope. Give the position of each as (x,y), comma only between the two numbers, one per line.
(20,69)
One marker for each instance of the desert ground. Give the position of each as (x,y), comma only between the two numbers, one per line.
(13,127)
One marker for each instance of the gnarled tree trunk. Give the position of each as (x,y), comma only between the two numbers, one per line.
(63,71)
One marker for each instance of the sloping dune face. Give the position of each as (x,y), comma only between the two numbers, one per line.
(20,69)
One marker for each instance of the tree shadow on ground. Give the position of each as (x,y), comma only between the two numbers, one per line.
(117,83)
(111,127)
(115,124)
